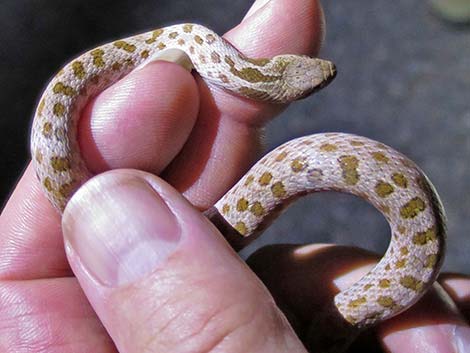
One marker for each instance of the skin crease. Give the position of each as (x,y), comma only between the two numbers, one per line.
(42,310)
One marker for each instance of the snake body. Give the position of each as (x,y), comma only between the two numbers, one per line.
(334,161)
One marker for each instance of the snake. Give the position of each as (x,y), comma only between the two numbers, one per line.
(387,179)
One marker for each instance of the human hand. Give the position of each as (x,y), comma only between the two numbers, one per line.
(167,283)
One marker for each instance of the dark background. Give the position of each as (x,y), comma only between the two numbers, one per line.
(404,79)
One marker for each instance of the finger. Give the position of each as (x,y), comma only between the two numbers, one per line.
(434,321)
(227,136)
(140,122)
(126,114)
(49,315)
(305,279)
(30,241)
(159,275)
(458,287)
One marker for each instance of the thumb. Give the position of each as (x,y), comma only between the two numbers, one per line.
(160,276)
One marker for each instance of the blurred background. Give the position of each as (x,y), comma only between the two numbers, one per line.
(404,79)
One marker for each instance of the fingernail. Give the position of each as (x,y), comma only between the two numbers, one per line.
(462,339)
(258,4)
(120,228)
(172,55)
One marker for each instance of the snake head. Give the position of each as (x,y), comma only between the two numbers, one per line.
(302,75)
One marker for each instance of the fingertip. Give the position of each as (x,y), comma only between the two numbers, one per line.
(280,26)
(458,287)
(140,122)
(432,322)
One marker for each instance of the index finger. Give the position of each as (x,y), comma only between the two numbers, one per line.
(31,236)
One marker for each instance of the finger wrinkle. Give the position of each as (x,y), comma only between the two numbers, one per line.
(31,241)
(37,317)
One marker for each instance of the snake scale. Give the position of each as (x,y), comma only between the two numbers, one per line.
(330,161)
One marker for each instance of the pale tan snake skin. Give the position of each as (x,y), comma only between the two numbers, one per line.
(333,161)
